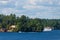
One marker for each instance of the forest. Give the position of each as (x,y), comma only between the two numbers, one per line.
(25,24)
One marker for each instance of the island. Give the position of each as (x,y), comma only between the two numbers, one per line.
(13,23)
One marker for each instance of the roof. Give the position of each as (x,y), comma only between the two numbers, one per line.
(13,26)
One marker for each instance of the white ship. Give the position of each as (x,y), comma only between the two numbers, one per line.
(47,29)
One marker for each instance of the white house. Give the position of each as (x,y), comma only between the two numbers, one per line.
(47,29)
(13,26)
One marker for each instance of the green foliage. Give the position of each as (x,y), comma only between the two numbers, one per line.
(26,24)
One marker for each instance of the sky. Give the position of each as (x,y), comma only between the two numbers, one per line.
(49,9)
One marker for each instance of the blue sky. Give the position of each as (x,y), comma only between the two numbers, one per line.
(33,8)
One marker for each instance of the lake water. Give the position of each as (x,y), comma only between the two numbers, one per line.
(52,35)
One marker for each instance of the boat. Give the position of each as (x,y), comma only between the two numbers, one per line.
(47,29)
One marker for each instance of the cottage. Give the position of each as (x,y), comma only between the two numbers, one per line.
(11,28)
(3,30)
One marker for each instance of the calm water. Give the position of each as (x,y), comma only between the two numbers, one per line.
(53,35)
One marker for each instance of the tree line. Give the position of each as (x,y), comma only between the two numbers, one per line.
(26,24)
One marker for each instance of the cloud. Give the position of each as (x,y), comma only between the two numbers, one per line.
(3,2)
(33,2)
(7,11)
(33,8)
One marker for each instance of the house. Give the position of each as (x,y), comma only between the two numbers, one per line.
(3,30)
(11,28)
(47,29)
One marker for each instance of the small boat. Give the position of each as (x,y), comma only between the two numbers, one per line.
(19,32)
